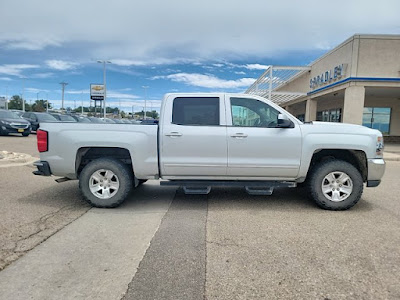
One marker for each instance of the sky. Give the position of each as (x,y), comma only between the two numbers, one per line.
(169,46)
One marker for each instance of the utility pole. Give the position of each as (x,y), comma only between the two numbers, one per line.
(145,87)
(47,103)
(63,84)
(22,96)
(82,103)
(104,62)
(7,97)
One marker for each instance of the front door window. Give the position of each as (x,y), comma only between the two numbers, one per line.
(253,113)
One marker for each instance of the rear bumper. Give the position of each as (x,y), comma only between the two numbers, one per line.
(43,168)
(376,169)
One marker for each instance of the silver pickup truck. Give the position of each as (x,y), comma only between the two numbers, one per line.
(205,140)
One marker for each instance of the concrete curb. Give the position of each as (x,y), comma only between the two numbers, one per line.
(388,156)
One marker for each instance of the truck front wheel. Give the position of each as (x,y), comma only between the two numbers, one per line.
(336,185)
(105,182)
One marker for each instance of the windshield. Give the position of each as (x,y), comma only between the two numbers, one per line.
(96,120)
(4,114)
(67,118)
(46,118)
(84,120)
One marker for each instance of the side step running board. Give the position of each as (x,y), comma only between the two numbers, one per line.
(203,187)
(196,190)
(258,191)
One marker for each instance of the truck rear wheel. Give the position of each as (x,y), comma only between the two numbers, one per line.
(336,185)
(105,182)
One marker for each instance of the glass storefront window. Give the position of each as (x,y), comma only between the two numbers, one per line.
(332,115)
(301,117)
(377,118)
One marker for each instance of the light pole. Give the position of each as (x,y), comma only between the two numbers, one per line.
(22,96)
(47,102)
(7,97)
(82,103)
(63,84)
(145,87)
(104,62)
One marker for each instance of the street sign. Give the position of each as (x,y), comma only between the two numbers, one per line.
(97,92)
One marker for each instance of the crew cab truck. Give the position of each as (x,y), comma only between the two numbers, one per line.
(205,140)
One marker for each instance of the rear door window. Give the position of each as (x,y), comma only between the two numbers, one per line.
(200,111)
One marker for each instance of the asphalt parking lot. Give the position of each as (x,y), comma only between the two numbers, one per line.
(162,244)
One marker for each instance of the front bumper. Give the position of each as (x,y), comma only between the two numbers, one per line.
(7,128)
(376,169)
(43,168)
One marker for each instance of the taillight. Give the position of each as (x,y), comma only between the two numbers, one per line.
(42,140)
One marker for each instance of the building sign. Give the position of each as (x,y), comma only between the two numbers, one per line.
(97,92)
(328,76)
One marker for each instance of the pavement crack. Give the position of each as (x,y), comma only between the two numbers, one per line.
(34,233)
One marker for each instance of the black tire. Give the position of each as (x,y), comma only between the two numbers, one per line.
(122,172)
(317,178)
(26,133)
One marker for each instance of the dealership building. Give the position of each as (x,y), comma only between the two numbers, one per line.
(356,82)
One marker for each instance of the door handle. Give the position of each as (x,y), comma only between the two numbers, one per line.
(174,134)
(239,135)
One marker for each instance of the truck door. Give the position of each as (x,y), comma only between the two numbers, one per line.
(255,147)
(193,138)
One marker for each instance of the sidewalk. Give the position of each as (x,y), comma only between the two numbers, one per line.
(392,152)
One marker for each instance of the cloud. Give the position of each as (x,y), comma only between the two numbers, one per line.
(35,90)
(15,69)
(28,43)
(153,61)
(76,92)
(256,67)
(207,81)
(240,73)
(42,75)
(60,65)
(232,32)
(5,78)
(118,95)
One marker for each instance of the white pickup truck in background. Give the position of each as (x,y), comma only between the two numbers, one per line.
(206,140)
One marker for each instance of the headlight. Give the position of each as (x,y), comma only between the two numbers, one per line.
(379,145)
(5,122)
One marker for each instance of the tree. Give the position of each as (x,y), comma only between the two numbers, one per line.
(150,114)
(153,114)
(16,103)
(40,105)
